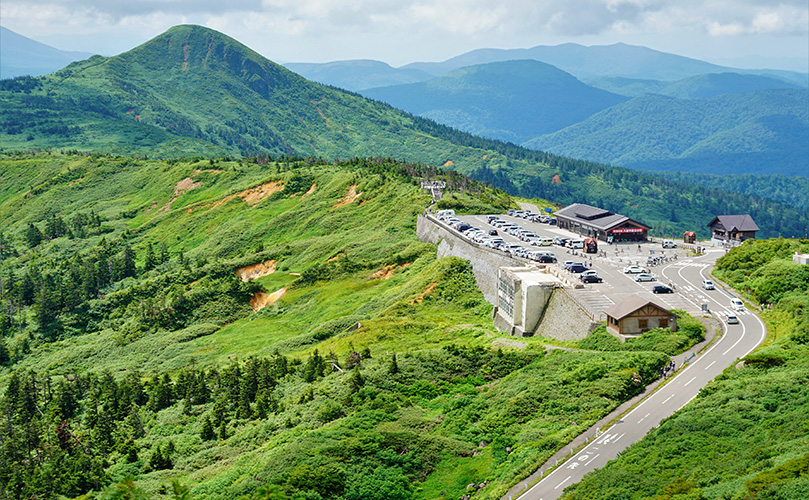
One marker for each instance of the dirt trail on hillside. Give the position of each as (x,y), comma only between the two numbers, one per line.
(255,271)
(351,196)
(387,271)
(261,300)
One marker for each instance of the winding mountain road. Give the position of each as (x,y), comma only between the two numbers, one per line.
(738,341)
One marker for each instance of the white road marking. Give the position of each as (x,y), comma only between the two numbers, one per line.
(692,379)
(667,399)
(563,482)
(711,364)
(644,417)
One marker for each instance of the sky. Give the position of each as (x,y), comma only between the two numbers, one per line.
(770,34)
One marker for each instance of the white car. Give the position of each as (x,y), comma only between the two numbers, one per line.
(634,270)
(737,304)
(708,285)
(645,277)
(669,244)
(591,272)
(732,319)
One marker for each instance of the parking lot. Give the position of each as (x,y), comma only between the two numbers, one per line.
(608,262)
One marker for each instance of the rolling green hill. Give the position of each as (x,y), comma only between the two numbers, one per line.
(694,87)
(512,101)
(133,352)
(735,133)
(357,75)
(193,91)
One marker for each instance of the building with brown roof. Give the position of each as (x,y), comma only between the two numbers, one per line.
(732,229)
(636,315)
(594,222)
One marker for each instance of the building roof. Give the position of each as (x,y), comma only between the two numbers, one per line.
(735,222)
(631,304)
(598,218)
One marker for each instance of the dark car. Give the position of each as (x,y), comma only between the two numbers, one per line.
(592,278)
(577,268)
(492,232)
(546,259)
(662,289)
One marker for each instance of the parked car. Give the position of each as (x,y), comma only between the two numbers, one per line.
(661,289)
(737,304)
(492,232)
(707,284)
(669,244)
(577,268)
(547,259)
(634,270)
(590,272)
(732,319)
(591,278)
(575,244)
(566,264)
(645,277)
(552,222)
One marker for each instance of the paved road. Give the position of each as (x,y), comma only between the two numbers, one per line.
(738,341)
(686,275)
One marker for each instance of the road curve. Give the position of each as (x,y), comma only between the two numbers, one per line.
(738,341)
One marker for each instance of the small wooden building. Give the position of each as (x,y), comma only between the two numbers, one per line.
(636,315)
(689,237)
(732,229)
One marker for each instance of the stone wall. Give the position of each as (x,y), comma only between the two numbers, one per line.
(564,319)
(485,262)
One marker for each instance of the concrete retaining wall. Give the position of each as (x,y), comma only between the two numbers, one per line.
(485,263)
(564,319)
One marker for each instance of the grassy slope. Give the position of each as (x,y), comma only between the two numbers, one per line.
(745,436)
(441,403)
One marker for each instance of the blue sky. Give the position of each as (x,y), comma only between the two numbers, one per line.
(741,33)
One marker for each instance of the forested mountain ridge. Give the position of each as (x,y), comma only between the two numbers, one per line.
(195,91)
(733,133)
(694,87)
(512,101)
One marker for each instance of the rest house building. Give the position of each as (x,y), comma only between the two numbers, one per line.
(594,222)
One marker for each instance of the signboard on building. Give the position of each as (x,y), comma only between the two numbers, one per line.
(628,230)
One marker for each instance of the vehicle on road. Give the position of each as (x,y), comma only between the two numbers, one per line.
(546,242)
(576,244)
(577,268)
(661,289)
(546,259)
(707,284)
(737,304)
(732,319)
(552,222)
(634,270)
(669,244)
(590,272)
(566,264)
(645,277)
(492,232)
(591,278)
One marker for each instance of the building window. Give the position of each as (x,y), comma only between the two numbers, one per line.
(643,324)
(664,322)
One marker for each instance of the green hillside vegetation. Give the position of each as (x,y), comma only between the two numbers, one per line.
(733,133)
(193,91)
(694,87)
(744,437)
(787,189)
(513,101)
(130,355)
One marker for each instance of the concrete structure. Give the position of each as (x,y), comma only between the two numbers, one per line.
(801,258)
(485,262)
(594,222)
(732,229)
(522,294)
(636,315)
